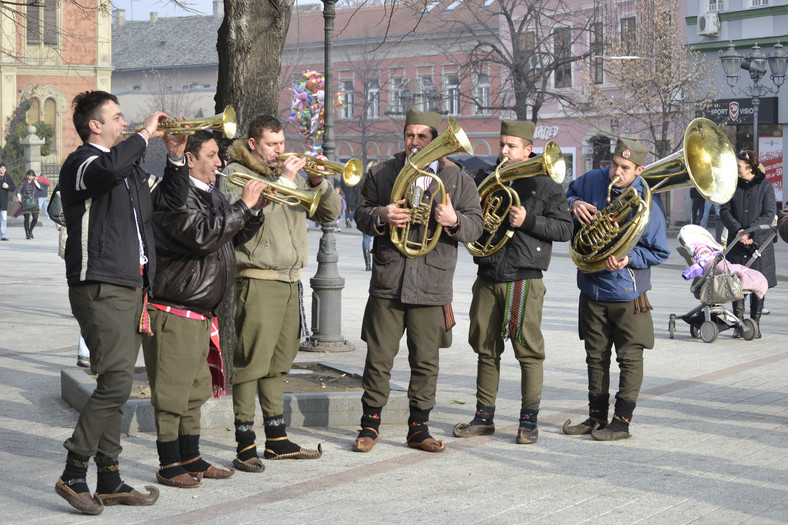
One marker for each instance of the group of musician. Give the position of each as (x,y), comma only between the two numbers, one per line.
(148,261)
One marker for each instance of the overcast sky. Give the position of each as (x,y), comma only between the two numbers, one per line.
(141,9)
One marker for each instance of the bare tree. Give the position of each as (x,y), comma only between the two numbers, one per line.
(535,44)
(653,86)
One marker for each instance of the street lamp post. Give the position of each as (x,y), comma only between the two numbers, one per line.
(327,284)
(755,64)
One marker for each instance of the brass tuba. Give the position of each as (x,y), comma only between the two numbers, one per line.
(451,140)
(350,172)
(279,193)
(498,198)
(224,122)
(707,161)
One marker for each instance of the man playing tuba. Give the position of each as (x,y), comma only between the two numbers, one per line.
(614,308)
(413,293)
(509,293)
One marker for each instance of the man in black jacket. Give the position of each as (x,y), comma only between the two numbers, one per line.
(196,260)
(110,262)
(508,293)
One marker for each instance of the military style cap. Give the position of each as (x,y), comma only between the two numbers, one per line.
(631,150)
(518,128)
(425,118)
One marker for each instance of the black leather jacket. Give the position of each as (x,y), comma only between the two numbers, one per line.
(195,247)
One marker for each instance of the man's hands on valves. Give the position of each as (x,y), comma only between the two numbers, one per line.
(396,215)
(585,213)
(253,195)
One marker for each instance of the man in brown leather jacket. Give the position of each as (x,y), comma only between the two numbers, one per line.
(195,255)
(413,293)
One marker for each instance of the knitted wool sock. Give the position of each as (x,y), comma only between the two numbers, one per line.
(528,418)
(190,449)
(370,419)
(418,426)
(76,472)
(276,436)
(109,481)
(622,416)
(245,437)
(484,415)
(598,407)
(169,454)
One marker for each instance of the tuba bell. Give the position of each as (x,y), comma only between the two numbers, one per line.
(419,201)
(498,198)
(707,161)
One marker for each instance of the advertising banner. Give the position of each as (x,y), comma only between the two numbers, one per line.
(770,153)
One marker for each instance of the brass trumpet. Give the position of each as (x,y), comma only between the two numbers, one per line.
(498,198)
(224,122)
(279,193)
(350,172)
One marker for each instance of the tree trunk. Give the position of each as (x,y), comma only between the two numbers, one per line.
(250,43)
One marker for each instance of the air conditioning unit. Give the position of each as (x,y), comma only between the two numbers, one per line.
(708,24)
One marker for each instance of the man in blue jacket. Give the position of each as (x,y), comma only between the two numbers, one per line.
(614,309)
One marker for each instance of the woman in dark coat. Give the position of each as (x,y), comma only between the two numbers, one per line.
(752,204)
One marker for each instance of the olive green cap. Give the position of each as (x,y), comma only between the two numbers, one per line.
(518,128)
(632,151)
(424,118)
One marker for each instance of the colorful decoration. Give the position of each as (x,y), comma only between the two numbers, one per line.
(308,108)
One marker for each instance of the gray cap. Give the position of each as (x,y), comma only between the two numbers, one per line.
(518,128)
(631,150)
(425,118)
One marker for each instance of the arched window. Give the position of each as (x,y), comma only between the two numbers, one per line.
(49,111)
(34,113)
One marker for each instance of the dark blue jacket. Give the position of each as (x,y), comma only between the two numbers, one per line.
(628,283)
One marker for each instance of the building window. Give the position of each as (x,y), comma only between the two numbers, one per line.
(34,113)
(397,86)
(596,63)
(347,99)
(373,99)
(42,22)
(528,47)
(758,3)
(453,95)
(563,51)
(430,97)
(483,94)
(628,34)
(717,5)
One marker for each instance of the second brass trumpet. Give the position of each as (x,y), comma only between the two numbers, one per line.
(350,171)
(279,193)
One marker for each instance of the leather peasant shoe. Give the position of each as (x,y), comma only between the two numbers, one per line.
(466,430)
(133,498)
(216,473)
(586,427)
(249,465)
(526,437)
(606,434)
(181,481)
(303,453)
(82,501)
(428,445)
(365,443)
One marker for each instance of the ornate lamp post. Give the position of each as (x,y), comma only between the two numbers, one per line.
(755,64)
(327,284)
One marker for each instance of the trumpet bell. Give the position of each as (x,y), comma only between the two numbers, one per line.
(350,172)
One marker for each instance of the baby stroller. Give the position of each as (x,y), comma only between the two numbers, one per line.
(711,317)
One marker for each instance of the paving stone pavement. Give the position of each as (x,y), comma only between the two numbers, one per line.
(710,431)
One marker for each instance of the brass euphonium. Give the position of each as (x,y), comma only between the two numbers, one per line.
(707,161)
(451,140)
(224,122)
(350,172)
(498,198)
(279,193)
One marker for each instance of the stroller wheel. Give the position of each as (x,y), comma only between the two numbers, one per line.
(672,325)
(748,330)
(694,331)
(709,331)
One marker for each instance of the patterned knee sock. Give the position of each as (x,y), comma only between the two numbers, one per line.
(76,472)
(484,415)
(245,437)
(276,436)
(418,425)
(528,418)
(370,419)
(109,481)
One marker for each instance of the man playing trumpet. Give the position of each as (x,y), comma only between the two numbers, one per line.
(508,294)
(269,320)
(412,293)
(614,309)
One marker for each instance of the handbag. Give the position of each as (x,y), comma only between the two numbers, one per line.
(55,208)
(29,202)
(721,288)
